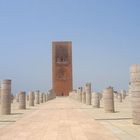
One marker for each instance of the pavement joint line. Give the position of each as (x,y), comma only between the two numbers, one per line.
(124,131)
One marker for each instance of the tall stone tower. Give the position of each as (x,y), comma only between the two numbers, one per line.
(62,68)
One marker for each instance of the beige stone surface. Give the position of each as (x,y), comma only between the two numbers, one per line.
(5,97)
(66,119)
(120,122)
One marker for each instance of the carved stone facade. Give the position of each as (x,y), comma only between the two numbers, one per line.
(62,68)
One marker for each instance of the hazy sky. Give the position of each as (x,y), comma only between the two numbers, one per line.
(105,35)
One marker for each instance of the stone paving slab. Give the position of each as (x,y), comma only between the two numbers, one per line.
(119,123)
(59,119)
(16,114)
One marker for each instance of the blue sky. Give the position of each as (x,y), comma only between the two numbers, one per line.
(105,35)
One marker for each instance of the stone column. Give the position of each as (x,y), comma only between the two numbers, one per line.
(17,98)
(22,100)
(88,93)
(129,89)
(80,94)
(100,96)
(41,97)
(6,97)
(135,93)
(115,94)
(96,100)
(47,98)
(123,92)
(120,97)
(12,98)
(27,98)
(37,97)
(83,97)
(108,98)
(44,98)
(31,98)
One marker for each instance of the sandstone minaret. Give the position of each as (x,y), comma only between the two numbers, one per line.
(62,68)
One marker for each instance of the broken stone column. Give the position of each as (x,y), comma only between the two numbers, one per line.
(37,97)
(115,94)
(135,93)
(6,97)
(47,98)
(22,100)
(108,98)
(80,94)
(41,97)
(83,97)
(88,93)
(44,98)
(27,98)
(129,89)
(123,92)
(12,98)
(120,97)
(17,98)
(77,98)
(31,98)
(100,96)
(96,100)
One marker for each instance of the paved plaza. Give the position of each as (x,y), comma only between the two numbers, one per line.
(66,119)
